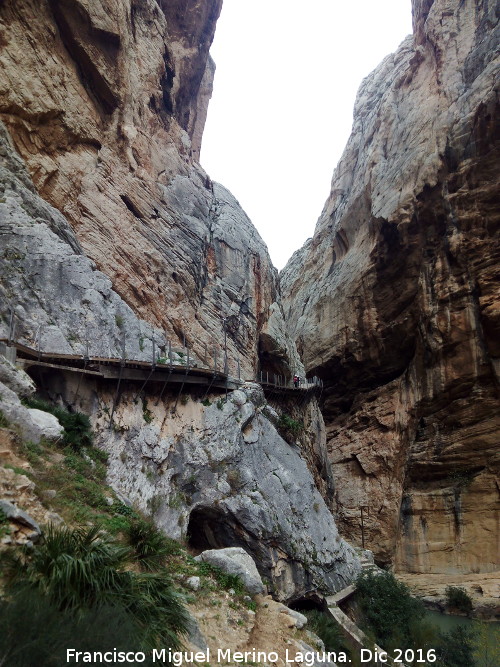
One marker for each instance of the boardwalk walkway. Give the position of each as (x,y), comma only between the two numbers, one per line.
(113,368)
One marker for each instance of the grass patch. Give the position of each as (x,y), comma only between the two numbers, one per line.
(225,581)
(77,473)
(4,422)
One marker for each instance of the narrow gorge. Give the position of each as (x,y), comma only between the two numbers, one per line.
(117,249)
(394,301)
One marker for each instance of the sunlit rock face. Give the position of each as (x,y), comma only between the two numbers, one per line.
(394,301)
(218,474)
(105,101)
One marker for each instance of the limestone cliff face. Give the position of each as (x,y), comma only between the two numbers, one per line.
(394,301)
(215,472)
(105,101)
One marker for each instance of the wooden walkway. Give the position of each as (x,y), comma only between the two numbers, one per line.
(122,369)
(113,368)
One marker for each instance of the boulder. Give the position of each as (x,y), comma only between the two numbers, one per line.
(15,378)
(33,424)
(18,516)
(236,561)
(44,425)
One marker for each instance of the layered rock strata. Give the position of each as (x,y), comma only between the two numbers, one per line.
(394,301)
(105,101)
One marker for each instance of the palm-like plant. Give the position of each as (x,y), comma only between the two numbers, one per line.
(150,547)
(80,569)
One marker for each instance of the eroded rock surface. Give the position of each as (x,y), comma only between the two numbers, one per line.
(394,301)
(235,561)
(221,476)
(62,303)
(106,101)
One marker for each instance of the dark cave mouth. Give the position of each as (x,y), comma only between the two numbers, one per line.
(308,602)
(210,528)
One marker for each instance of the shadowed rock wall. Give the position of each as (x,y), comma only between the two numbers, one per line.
(394,301)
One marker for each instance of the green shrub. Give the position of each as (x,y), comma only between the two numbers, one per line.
(487,640)
(77,429)
(4,422)
(80,569)
(327,630)
(456,648)
(458,599)
(150,547)
(147,415)
(124,510)
(34,632)
(388,609)
(286,423)
(4,525)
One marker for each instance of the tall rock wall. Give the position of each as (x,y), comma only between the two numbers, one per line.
(105,101)
(394,301)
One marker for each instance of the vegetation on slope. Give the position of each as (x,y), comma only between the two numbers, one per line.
(395,619)
(107,579)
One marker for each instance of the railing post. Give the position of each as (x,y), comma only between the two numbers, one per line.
(153,363)
(11,325)
(124,355)
(39,342)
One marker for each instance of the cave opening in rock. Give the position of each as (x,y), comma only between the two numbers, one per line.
(209,528)
(307,602)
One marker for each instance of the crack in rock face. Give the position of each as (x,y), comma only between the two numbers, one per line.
(394,301)
(206,480)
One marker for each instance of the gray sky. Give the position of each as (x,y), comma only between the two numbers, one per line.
(281,112)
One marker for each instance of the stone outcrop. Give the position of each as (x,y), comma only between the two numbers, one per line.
(105,102)
(19,502)
(483,589)
(235,561)
(394,301)
(32,424)
(218,474)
